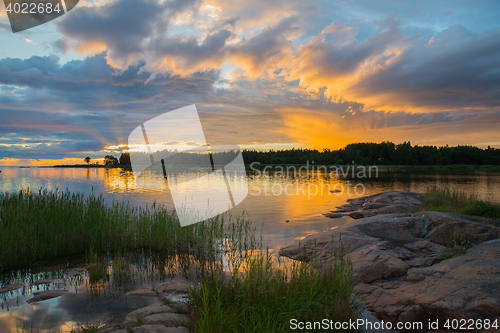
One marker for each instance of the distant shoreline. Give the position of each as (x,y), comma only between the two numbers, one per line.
(91,166)
(381,168)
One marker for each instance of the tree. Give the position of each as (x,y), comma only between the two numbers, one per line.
(87,159)
(110,160)
(125,159)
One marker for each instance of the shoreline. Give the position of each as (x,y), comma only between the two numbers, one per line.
(385,169)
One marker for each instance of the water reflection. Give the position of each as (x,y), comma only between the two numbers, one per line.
(283,209)
(272,199)
(88,302)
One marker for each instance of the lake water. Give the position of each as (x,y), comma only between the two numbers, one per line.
(284,208)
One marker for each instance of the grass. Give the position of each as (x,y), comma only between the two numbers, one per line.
(257,298)
(443,200)
(53,224)
(121,269)
(96,266)
(459,244)
(87,329)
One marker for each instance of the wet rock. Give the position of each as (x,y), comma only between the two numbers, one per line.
(11,287)
(167,319)
(383,203)
(46,281)
(74,272)
(335,215)
(46,294)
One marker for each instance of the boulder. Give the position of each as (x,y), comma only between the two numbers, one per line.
(383,203)
(167,319)
(146,311)
(465,286)
(398,264)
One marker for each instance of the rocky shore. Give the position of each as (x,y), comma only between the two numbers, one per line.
(168,313)
(383,203)
(404,268)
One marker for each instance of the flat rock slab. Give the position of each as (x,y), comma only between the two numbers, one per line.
(146,311)
(167,319)
(74,272)
(465,286)
(46,294)
(159,329)
(11,287)
(46,281)
(392,202)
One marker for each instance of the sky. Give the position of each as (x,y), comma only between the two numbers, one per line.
(263,74)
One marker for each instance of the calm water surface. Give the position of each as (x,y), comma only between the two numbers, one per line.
(282,208)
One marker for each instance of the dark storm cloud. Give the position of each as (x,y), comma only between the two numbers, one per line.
(91,83)
(83,105)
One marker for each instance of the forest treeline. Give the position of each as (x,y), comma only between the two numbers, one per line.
(385,153)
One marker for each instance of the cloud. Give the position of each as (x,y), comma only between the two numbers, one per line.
(391,71)
(323,129)
(267,51)
(264,72)
(138,31)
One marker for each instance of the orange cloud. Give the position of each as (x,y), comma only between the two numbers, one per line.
(321,129)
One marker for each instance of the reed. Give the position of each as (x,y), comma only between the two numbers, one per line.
(50,224)
(97,267)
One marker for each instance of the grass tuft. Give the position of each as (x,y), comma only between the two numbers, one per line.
(444,200)
(257,298)
(459,244)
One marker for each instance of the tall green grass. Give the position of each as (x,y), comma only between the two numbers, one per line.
(50,224)
(254,297)
(444,200)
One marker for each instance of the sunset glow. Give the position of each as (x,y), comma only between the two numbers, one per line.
(267,74)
